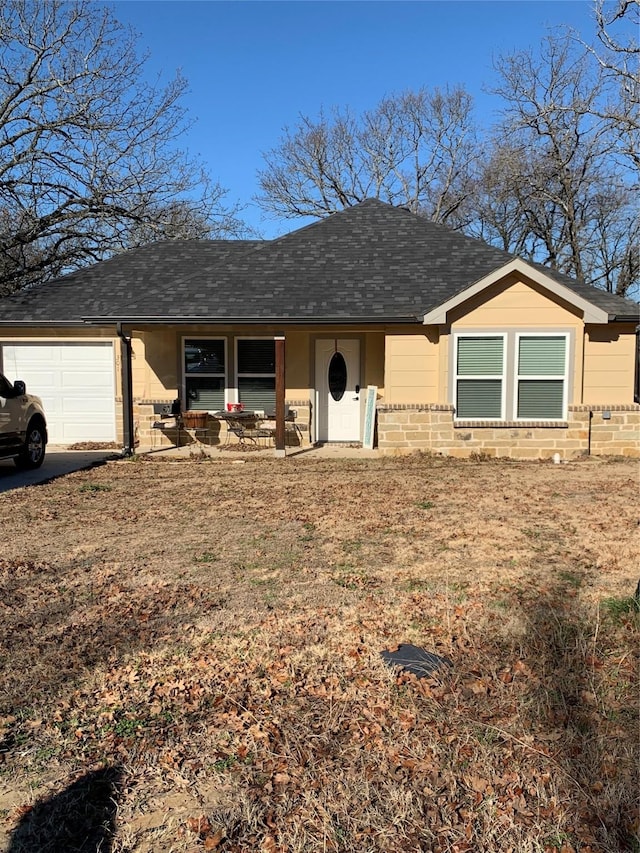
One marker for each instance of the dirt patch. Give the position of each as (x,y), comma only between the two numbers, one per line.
(210,634)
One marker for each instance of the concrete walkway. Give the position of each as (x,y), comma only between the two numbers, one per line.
(57,463)
(60,461)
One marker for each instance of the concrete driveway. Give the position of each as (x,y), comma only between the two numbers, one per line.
(57,462)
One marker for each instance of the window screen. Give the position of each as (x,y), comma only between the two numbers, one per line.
(257,356)
(541,377)
(479,377)
(256,374)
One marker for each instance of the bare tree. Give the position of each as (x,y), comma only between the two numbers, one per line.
(416,149)
(611,250)
(553,188)
(89,156)
(617,54)
(503,203)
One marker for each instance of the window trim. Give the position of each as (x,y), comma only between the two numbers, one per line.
(503,377)
(183,366)
(517,376)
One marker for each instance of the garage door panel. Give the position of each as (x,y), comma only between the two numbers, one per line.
(53,407)
(73,434)
(76,382)
(38,382)
(77,408)
(76,432)
(68,353)
(32,357)
(88,382)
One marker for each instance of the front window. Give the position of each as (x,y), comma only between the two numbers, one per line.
(257,373)
(511,376)
(204,370)
(541,377)
(480,377)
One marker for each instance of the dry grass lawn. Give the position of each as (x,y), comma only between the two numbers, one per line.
(190,657)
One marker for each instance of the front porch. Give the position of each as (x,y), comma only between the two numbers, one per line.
(155,432)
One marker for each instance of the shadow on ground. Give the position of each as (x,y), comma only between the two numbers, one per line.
(573,708)
(80,819)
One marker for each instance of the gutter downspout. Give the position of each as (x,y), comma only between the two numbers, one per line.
(127,390)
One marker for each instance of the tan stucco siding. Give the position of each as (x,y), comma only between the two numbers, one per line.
(518,304)
(297,355)
(156,357)
(412,368)
(609,364)
(443,368)
(374,358)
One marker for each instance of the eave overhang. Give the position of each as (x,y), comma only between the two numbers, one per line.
(625,318)
(270,321)
(27,324)
(591,313)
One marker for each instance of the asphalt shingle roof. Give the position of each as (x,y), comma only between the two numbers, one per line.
(368,262)
(109,287)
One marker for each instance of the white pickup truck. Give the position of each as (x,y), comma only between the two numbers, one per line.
(23,427)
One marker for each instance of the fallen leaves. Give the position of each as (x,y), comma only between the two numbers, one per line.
(201,827)
(227,653)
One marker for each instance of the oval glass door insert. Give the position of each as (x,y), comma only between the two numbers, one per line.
(337,376)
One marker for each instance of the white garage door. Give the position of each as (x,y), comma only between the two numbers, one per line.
(76,383)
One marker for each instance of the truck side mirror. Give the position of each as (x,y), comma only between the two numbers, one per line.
(19,388)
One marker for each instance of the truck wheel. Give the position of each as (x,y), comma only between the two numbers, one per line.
(32,454)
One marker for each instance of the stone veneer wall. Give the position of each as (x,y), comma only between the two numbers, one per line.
(148,436)
(407,428)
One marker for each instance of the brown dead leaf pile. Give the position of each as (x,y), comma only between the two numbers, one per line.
(190,657)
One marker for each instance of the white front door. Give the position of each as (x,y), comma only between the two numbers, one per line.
(338,390)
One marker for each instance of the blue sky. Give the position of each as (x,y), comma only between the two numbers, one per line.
(254,67)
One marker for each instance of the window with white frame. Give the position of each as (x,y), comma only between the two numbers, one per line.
(204,362)
(256,371)
(511,376)
(541,377)
(480,380)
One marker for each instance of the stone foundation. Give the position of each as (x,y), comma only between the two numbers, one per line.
(599,430)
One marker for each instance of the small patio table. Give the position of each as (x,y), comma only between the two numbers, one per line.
(249,426)
(241,424)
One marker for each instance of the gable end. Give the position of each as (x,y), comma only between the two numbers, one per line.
(591,313)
